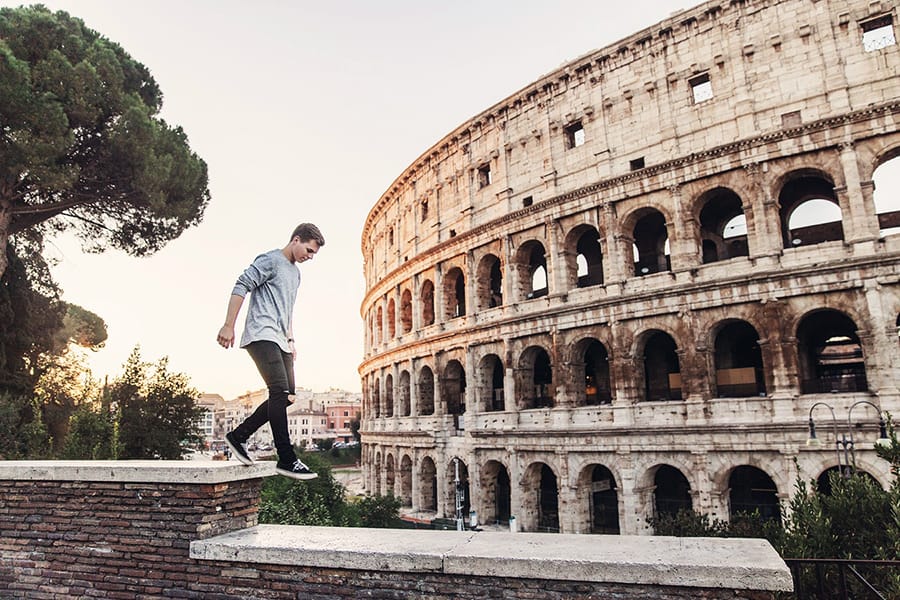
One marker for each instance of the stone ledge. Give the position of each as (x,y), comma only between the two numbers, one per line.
(730,563)
(134,471)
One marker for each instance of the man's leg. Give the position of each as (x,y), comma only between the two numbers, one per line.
(276,368)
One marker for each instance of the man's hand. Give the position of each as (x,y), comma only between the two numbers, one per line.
(226,336)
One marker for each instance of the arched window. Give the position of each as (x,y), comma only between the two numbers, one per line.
(427,300)
(531,270)
(583,243)
(535,379)
(406,321)
(738,361)
(455,293)
(651,247)
(887,196)
(604,501)
(403,395)
(672,491)
(453,389)
(490,383)
(391,319)
(489,283)
(830,355)
(810,213)
(425,399)
(751,490)
(723,227)
(662,374)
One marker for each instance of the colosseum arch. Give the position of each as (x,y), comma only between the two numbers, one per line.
(489,282)
(530,270)
(661,153)
(406,476)
(406,311)
(425,387)
(590,373)
(404,405)
(886,170)
(454,294)
(723,225)
(658,366)
(583,257)
(534,379)
(598,500)
(738,367)
(751,489)
(388,395)
(376,396)
(379,325)
(457,487)
(390,475)
(428,487)
(649,236)
(453,388)
(489,377)
(391,320)
(540,488)
(810,211)
(830,354)
(496,490)
(426,302)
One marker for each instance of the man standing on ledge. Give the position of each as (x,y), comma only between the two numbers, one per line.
(272,281)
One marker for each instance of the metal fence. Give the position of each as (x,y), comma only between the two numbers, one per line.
(844,579)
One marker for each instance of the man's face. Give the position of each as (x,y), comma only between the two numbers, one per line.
(303,250)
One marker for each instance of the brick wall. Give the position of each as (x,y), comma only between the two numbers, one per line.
(106,534)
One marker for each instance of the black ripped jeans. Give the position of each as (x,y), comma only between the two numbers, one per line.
(277,370)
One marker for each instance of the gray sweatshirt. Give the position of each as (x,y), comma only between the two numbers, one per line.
(272,282)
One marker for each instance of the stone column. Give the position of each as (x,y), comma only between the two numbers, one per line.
(614,271)
(857,211)
(556,261)
(764,236)
(684,245)
(880,349)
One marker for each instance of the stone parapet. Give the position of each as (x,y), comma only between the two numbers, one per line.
(157,529)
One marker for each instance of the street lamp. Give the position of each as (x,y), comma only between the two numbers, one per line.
(845,440)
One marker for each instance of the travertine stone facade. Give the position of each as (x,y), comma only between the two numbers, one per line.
(624,289)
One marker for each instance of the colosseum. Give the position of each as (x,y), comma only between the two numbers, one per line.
(640,283)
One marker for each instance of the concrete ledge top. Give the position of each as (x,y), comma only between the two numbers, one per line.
(134,471)
(731,563)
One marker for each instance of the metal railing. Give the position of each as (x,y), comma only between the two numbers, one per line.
(845,579)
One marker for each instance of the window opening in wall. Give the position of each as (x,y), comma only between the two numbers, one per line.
(636,164)
(672,493)
(497,372)
(527,201)
(496,284)
(391,236)
(887,197)
(452,233)
(604,502)
(830,354)
(548,501)
(878,33)
(752,490)
(738,362)
(427,303)
(701,88)
(597,388)
(662,374)
(424,209)
(809,211)
(651,244)
(484,176)
(588,259)
(574,135)
(723,227)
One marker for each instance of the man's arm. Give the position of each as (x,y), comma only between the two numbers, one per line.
(226,333)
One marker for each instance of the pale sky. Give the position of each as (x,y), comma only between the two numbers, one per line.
(304,111)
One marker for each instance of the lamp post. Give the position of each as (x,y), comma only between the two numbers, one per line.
(844,441)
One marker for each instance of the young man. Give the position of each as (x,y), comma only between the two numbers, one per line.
(272,282)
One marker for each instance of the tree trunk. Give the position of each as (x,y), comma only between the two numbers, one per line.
(5,221)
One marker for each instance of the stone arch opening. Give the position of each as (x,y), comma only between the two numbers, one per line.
(887,201)
(425,398)
(750,490)
(662,373)
(651,244)
(489,282)
(458,498)
(406,481)
(391,319)
(496,492)
(824,480)
(389,396)
(390,475)
(738,362)
(379,325)
(584,258)
(454,293)
(376,396)
(810,212)
(490,375)
(453,389)
(723,226)
(590,364)
(672,491)
(427,303)
(531,270)
(541,492)
(428,485)
(404,408)
(378,473)
(603,501)
(406,321)
(830,354)
(535,379)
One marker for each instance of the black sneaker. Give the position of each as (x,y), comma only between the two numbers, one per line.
(237,449)
(296,471)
